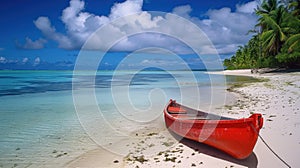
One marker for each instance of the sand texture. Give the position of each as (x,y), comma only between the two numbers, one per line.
(277,97)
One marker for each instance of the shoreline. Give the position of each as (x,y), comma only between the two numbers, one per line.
(240,72)
(278,99)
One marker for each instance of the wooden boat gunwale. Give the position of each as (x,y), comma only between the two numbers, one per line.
(221,120)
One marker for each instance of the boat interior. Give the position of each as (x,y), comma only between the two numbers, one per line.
(183,112)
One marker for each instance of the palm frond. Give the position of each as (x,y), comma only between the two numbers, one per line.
(293,41)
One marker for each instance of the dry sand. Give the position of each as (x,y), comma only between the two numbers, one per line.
(277,98)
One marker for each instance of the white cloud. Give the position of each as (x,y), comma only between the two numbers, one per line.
(69,15)
(160,62)
(225,28)
(44,25)
(248,7)
(183,11)
(37,61)
(3,60)
(25,60)
(30,44)
(128,7)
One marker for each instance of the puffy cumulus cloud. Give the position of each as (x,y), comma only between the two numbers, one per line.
(44,25)
(30,44)
(128,7)
(26,63)
(3,60)
(248,7)
(183,11)
(37,61)
(80,24)
(226,28)
(25,60)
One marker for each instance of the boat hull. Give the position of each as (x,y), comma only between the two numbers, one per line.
(237,137)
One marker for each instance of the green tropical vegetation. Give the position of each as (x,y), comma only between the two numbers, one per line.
(276,38)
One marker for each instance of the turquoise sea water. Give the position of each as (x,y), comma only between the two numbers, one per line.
(43,113)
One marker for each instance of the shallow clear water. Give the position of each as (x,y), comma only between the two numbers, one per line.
(39,125)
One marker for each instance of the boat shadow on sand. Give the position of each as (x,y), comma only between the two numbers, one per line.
(250,162)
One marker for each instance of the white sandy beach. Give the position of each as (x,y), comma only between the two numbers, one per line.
(277,98)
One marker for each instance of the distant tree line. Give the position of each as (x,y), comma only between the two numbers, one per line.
(276,39)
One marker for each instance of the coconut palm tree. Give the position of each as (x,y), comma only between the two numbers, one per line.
(272,20)
(278,38)
(266,7)
(273,35)
(294,5)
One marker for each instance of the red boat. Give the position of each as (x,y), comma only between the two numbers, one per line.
(237,137)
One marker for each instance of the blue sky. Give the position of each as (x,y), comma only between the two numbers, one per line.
(49,34)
